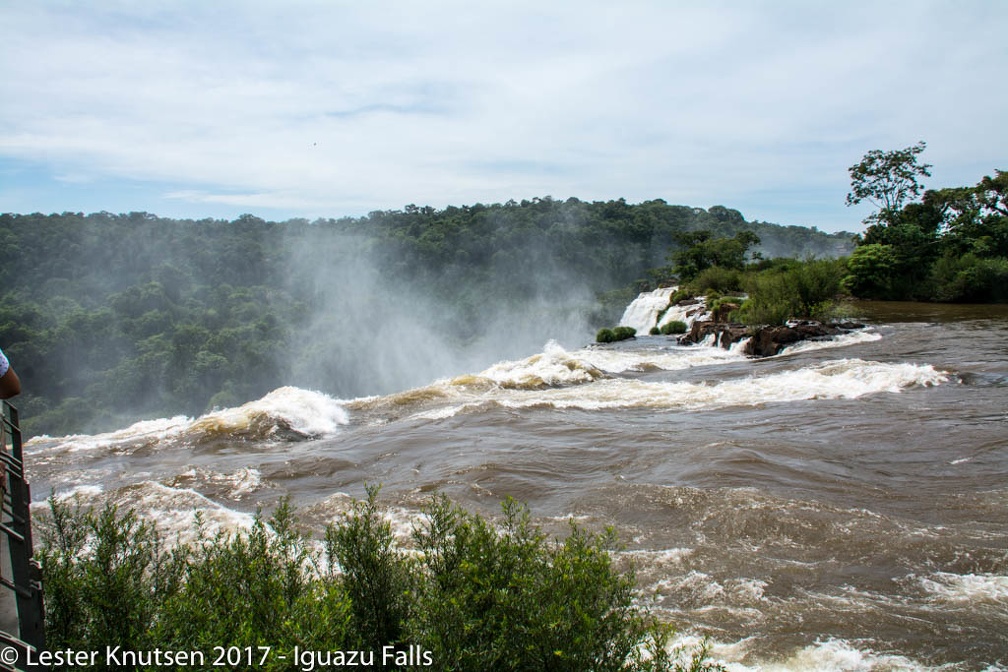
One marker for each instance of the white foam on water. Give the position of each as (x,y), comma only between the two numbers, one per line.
(143,433)
(404,522)
(443,413)
(971,589)
(589,379)
(699,586)
(172,510)
(830,655)
(674,358)
(836,379)
(553,366)
(749,589)
(664,558)
(840,379)
(237,484)
(839,341)
(80,491)
(841,655)
(245,481)
(307,412)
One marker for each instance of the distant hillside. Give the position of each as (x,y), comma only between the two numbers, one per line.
(109,317)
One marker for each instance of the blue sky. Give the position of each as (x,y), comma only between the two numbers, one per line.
(318,109)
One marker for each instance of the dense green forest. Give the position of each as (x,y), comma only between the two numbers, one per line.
(114,317)
(946,244)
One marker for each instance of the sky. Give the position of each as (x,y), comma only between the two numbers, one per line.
(330,108)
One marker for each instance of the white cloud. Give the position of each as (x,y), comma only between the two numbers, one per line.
(327,109)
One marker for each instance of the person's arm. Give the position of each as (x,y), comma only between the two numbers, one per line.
(10,384)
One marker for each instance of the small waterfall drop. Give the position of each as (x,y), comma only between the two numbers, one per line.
(643,312)
(652,309)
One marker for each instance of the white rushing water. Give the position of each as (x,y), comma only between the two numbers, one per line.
(652,309)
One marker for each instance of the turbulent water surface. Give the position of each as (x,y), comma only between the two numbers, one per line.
(843,505)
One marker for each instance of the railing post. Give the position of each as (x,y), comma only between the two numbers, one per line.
(23,575)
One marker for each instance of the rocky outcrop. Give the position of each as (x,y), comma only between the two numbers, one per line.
(723,310)
(765,341)
(726,333)
(769,341)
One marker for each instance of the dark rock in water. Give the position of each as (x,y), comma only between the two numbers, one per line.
(726,333)
(731,334)
(723,310)
(765,341)
(700,330)
(769,341)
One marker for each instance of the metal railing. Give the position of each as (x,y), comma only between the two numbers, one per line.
(21,602)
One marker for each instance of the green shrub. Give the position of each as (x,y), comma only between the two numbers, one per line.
(680,294)
(376,576)
(607,335)
(870,271)
(816,284)
(673,327)
(100,573)
(473,594)
(510,599)
(800,290)
(250,589)
(718,279)
(970,279)
(623,333)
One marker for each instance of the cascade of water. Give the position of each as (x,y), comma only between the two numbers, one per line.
(643,312)
(652,309)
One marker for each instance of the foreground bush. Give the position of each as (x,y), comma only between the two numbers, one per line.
(470,596)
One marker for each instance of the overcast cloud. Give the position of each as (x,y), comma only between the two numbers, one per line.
(291,109)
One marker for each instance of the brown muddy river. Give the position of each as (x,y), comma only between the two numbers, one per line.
(841,506)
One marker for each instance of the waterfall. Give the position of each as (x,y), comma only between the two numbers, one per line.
(651,309)
(643,312)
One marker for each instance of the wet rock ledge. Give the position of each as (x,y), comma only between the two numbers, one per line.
(765,341)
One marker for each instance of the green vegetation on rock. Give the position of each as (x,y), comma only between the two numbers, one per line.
(607,335)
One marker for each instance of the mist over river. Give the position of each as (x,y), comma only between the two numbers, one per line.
(843,505)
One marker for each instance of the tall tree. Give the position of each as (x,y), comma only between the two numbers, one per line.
(699,251)
(887,180)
